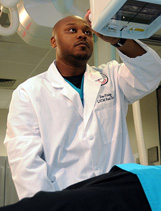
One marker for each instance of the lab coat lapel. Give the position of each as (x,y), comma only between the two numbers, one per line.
(73,95)
(91,89)
(58,82)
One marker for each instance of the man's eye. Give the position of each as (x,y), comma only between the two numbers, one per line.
(87,32)
(72,30)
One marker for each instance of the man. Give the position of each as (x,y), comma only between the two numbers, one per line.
(69,124)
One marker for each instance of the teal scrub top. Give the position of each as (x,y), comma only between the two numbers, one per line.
(80,91)
(150,179)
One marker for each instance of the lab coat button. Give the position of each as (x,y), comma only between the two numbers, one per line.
(53,179)
(91,137)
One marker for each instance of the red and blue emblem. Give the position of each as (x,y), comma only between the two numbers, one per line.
(103,80)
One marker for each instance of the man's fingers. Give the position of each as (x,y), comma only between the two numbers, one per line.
(87,17)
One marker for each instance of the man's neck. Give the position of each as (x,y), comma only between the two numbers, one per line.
(67,69)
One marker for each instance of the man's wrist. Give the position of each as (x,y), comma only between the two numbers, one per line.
(119,43)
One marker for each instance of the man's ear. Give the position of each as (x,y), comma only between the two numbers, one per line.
(53,42)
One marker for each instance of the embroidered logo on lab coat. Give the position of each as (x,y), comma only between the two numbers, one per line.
(103,80)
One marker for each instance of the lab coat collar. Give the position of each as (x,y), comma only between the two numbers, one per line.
(55,77)
(91,89)
(58,81)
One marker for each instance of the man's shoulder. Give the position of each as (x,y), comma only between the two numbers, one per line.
(35,79)
(105,67)
(32,84)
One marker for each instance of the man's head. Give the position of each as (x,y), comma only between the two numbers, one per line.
(73,39)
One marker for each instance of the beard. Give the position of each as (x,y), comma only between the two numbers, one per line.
(75,57)
(81,57)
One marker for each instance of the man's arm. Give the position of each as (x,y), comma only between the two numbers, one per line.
(24,147)
(131,48)
(140,72)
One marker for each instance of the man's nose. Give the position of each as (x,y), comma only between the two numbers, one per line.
(81,34)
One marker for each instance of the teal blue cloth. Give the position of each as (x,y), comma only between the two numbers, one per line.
(80,91)
(150,179)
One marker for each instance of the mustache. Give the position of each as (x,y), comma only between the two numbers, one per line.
(82,42)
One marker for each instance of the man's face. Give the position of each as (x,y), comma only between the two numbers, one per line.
(73,39)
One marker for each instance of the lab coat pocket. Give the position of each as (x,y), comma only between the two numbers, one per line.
(109,123)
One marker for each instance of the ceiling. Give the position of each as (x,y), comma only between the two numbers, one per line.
(20,61)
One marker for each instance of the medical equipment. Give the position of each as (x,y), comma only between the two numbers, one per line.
(14,17)
(34,19)
(134,19)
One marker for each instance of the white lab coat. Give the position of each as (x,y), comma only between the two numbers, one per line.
(53,141)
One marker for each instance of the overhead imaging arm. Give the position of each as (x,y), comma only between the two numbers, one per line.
(14,17)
